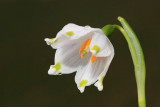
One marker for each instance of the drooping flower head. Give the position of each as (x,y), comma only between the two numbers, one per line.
(84,50)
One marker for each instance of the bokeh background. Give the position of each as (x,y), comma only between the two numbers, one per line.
(25,57)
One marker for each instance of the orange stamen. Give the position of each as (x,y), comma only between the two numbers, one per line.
(85,45)
(88,43)
(82,55)
(93,58)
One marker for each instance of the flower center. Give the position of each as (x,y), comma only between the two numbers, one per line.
(85,49)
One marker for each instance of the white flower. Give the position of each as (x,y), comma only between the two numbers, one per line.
(85,50)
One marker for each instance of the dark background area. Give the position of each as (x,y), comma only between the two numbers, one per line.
(25,57)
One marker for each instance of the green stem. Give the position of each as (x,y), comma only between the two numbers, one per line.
(137,56)
(140,83)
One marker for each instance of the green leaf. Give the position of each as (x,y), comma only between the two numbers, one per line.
(138,59)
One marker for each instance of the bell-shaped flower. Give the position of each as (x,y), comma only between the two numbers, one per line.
(85,50)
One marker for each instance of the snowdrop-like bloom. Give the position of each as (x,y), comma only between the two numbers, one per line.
(85,50)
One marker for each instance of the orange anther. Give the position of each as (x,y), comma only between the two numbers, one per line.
(93,58)
(88,43)
(85,45)
(82,55)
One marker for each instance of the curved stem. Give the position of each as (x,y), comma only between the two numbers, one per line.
(139,77)
(137,56)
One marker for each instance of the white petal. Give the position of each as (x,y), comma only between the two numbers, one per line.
(51,70)
(99,83)
(77,31)
(82,69)
(90,73)
(69,58)
(58,42)
(100,45)
(69,34)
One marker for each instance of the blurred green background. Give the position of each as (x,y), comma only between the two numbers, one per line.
(25,57)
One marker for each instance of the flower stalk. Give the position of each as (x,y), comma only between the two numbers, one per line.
(136,53)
